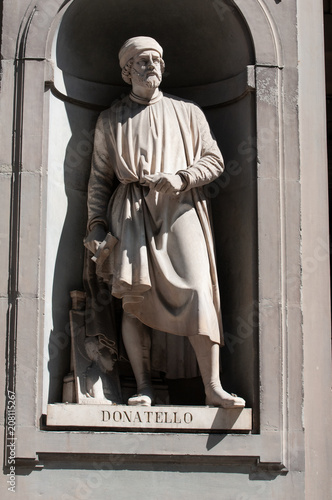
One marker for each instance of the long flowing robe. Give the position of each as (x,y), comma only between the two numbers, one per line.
(162,264)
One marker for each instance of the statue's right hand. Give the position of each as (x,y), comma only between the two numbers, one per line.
(94,239)
(96,245)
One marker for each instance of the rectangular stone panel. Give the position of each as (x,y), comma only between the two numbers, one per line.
(179,418)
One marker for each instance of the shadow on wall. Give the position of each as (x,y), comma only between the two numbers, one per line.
(215,47)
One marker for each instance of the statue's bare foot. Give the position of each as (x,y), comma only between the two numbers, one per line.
(144,397)
(216,396)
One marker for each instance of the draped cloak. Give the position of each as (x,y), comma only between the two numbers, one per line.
(162,264)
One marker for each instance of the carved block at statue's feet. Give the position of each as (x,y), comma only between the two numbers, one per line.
(94,366)
(100,387)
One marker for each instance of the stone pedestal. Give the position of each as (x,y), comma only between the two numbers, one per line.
(158,418)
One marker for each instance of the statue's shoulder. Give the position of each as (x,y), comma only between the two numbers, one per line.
(180,101)
(120,102)
(191,108)
(114,108)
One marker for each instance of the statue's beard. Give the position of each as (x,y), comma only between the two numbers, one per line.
(151,81)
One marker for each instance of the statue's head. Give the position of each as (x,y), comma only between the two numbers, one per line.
(141,61)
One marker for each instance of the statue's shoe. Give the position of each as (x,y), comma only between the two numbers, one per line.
(140,400)
(227,403)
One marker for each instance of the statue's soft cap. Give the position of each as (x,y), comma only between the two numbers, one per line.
(136,45)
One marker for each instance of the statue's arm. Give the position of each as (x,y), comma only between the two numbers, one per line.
(100,184)
(210,165)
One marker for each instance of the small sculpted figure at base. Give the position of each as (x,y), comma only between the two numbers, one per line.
(148,220)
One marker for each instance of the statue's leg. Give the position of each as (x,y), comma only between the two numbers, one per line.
(137,341)
(207,354)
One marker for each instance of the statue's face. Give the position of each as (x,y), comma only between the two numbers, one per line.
(146,70)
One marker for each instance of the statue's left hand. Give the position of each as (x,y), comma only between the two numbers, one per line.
(164,183)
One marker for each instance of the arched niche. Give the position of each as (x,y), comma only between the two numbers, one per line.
(209,55)
(43,99)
